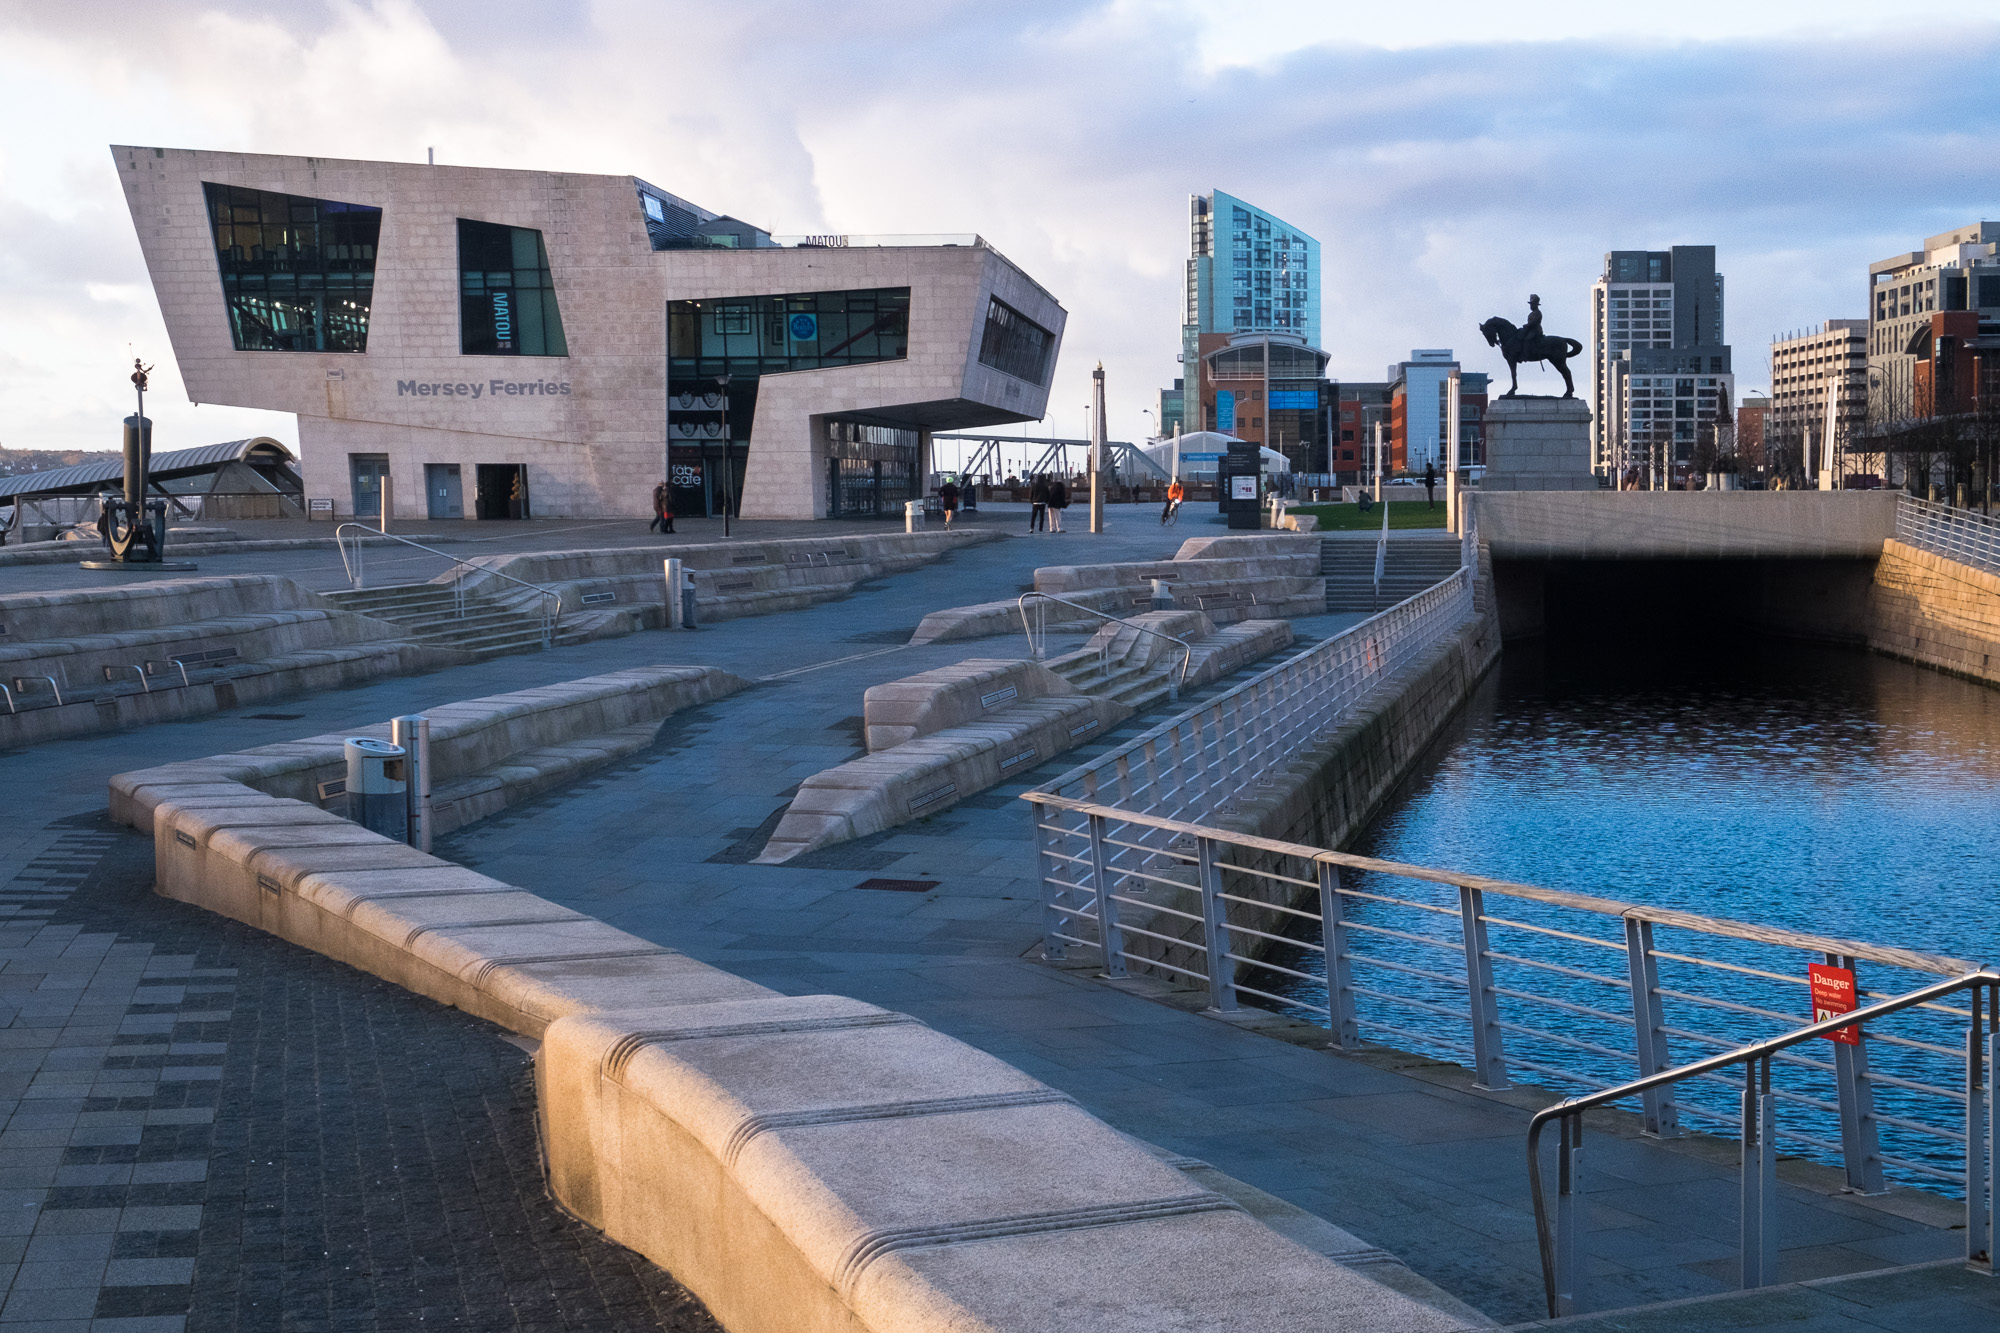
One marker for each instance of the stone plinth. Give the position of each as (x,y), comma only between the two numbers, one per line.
(1538,444)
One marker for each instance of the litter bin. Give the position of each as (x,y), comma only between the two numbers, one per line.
(377,787)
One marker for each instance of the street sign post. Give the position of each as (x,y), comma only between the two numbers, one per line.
(1832,996)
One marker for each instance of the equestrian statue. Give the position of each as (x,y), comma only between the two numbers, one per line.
(1529,343)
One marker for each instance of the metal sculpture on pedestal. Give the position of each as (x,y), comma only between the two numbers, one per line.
(135,528)
(1529,343)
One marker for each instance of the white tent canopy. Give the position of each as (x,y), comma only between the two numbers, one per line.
(1201,450)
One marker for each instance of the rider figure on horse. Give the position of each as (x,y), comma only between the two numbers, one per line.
(1529,343)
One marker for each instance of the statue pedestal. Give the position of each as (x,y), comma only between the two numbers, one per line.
(1537,444)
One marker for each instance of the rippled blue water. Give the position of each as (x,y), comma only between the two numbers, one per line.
(1811,788)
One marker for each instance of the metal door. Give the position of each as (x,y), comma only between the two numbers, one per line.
(367,472)
(444,490)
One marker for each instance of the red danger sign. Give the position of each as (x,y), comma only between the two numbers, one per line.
(1833,995)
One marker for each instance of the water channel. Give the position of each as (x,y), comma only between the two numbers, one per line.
(1792,785)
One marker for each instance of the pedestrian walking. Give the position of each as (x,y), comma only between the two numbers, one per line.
(948,499)
(1058,501)
(1038,503)
(663,509)
(1430,486)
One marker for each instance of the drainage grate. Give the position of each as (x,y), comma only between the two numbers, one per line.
(274,717)
(899,885)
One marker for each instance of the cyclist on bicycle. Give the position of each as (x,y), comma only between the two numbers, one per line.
(1175,492)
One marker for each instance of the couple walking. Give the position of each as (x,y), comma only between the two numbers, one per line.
(1047,499)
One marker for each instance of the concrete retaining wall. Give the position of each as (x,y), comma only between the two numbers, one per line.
(800,1163)
(1936,612)
(1685,525)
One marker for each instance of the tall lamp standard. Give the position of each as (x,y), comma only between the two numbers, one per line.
(728,457)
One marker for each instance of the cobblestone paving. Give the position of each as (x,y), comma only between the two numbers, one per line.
(200,1132)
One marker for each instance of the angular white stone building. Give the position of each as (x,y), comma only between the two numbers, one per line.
(508,344)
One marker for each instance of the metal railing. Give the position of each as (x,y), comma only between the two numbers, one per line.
(1561,1271)
(1191,766)
(550,605)
(1964,535)
(1565,988)
(1038,635)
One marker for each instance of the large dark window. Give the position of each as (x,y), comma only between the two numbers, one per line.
(298,274)
(767,335)
(507,300)
(1014,344)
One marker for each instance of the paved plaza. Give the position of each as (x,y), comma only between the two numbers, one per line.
(199,1133)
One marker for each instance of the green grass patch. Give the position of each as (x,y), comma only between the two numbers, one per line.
(1349,518)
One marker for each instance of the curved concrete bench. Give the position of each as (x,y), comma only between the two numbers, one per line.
(468,739)
(732,579)
(800,1163)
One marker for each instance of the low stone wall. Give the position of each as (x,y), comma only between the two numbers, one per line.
(248,638)
(799,1162)
(1936,612)
(1274,576)
(472,742)
(732,579)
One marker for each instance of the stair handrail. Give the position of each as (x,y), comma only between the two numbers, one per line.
(551,620)
(1560,1289)
(1036,650)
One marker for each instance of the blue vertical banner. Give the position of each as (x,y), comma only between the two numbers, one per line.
(1225,412)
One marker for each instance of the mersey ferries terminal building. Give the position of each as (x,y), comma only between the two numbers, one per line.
(507,344)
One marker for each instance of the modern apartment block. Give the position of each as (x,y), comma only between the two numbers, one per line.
(1803,366)
(1253,280)
(1660,368)
(1956,271)
(507,344)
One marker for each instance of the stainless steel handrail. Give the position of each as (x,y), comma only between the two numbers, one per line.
(10,698)
(1574,1107)
(551,622)
(1021,605)
(1964,535)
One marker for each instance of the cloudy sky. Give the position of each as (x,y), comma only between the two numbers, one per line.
(1450,156)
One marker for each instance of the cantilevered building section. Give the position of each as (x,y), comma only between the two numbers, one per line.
(508,344)
(1660,368)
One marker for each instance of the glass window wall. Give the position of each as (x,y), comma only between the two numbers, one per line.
(507,297)
(1015,345)
(298,274)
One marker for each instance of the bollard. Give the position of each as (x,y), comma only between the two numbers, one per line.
(1163,596)
(912,510)
(413,733)
(376,797)
(674,579)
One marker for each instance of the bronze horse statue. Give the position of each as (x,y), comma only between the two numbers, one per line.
(1531,344)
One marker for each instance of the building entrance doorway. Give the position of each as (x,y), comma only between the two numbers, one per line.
(367,472)
(503,491)
(444,491)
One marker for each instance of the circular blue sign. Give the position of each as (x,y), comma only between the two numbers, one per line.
(805,328)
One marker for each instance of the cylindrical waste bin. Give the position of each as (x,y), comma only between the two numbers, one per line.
(377,790)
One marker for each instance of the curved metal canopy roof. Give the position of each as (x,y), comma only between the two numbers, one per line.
(90,478)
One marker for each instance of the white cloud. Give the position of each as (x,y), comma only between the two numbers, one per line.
(1450,164)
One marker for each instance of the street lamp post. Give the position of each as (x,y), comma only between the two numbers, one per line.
(728,458)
